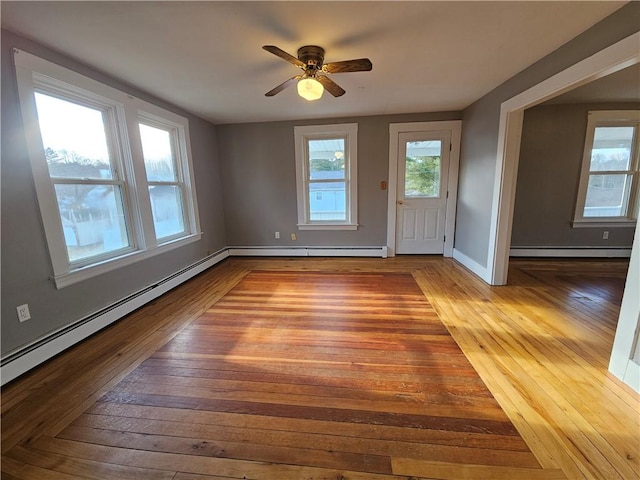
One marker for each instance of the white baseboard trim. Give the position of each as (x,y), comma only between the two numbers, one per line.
(308,252)
(472,265)
(35,353)
(570,252)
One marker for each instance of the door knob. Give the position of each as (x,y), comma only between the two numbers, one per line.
(400,202)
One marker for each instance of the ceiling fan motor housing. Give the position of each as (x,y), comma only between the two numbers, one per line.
(312,56)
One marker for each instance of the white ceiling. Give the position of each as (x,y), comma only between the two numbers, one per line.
(206,57)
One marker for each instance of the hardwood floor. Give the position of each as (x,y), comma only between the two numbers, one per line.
(400,368)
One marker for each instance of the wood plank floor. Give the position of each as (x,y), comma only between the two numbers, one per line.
(401,368)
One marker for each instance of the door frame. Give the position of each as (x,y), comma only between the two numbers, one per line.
(609,60)
(395,129)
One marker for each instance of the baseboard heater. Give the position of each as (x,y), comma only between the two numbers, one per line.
(45,348)
(571,252)
(308,251)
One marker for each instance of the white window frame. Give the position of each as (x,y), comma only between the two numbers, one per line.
(124,112)
(611,118)
(178,132)
(302,134)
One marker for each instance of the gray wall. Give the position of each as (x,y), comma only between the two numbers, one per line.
(481,123)
(551,152)
(26,268)
(258,167)
(256,162)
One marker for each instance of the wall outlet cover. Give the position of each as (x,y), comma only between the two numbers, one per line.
(23,312)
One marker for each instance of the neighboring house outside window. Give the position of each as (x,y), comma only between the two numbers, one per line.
(326,173)
(113,173)
(609,182)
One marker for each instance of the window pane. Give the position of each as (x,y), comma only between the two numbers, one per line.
(327,201)
(422,172)
(74,139)
(166,205)
(611,148)
(606,196)
(158,154)
(92,219)
(326,159)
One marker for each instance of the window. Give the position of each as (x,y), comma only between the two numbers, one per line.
(85,176)
(166,189)
(326,171)
(608,192)
(112,172)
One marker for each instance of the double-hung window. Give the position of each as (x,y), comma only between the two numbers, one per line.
(609,182)
(113,173)
(86,174)
(160,141)
(326,172)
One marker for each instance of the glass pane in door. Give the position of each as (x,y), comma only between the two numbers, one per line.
(422,171)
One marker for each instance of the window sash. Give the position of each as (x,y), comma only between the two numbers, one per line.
(340,180)
(178,183)
(629,206)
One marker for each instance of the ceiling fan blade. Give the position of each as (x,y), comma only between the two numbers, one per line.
(284,55)
(330,86)
(358,65)
(282,86)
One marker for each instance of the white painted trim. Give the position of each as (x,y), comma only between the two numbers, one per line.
(503,203)
(632,375)
(327,226)
(56,342)
(621,363)
(348,131)
(395,129)
(452,200)
(607,61)
(471,264)
(308,252)
(595,119)
(90,271)
(570,252)
(601,224)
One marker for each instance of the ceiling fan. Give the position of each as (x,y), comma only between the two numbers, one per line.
(314,80)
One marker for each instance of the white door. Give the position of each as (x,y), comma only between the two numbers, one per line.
(421,202)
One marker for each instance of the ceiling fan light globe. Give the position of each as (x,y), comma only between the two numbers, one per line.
(310,89)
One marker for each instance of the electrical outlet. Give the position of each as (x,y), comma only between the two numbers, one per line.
(23,312)
(605,235)
(293,236)
(277,234)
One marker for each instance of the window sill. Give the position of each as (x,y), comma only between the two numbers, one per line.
(84,273)
(603,223)
(327,226)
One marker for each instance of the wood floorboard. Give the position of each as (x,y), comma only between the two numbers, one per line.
(341,369)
